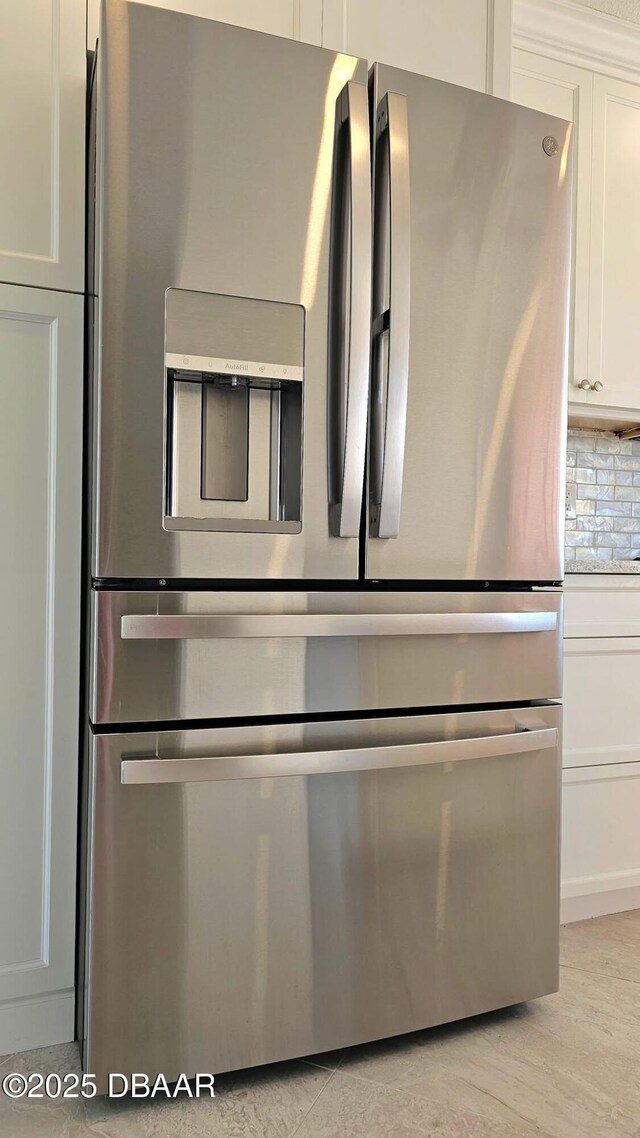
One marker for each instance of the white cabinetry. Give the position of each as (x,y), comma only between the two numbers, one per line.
(40,511)
(460,41)
(42,104)
(606,111)
(601,753)
(614,309)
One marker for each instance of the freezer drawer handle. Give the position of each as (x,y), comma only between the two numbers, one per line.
(391,307)
(198,626)
(350,324)
(225,768)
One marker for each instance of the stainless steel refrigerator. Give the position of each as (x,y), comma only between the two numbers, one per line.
(328,324)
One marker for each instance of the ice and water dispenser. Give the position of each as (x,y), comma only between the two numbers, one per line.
(234,392)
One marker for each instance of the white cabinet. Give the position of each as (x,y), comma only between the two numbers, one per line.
(40,523)
(460,41)
(614,308)
(606,334)
(293,19)
(42,104)
(560,89)
(601,747)
(600,840)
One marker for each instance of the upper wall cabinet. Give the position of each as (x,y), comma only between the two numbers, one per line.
(293,19)
(461,41)
(42,101)
(561,89)
(562,52)
(614,308)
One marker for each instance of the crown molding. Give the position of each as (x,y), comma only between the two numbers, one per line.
(578,35)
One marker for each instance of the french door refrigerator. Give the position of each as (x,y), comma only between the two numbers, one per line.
(328,325)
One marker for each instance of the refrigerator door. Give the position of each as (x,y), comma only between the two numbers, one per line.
(258,893)
(470,316)
(232,178)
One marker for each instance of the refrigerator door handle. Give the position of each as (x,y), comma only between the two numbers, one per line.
(202,626)
(350,332)
(184,770)
(391,307)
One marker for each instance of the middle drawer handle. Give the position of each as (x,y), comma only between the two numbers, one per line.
(196,626)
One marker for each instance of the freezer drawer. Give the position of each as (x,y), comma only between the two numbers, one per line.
(258,893)
(167,656)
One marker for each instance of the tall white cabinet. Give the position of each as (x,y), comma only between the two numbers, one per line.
(40,512)
(42,116)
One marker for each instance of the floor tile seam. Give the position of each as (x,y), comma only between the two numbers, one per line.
(331,1076)
(604,975)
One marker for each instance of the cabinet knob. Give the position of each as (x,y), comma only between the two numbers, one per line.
(597,386)
(585,385)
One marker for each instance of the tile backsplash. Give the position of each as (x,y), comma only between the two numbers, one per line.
(604,472)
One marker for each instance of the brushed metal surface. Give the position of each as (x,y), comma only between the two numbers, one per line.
(150,680)
(214,364)
(482,495)
(353,327)
(345,907)
(204,325)
(203,627)
(392,298)
(284,765)
(214,174)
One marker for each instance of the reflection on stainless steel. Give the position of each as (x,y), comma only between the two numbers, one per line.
(188,201)
(348,652)
(285,765)
(392,292)
(481,496)
(386,858)
(327,916)
(350,327)
(149,627)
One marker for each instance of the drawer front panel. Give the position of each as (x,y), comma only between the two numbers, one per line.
(168,656)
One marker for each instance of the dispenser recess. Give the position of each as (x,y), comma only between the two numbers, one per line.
(234,394)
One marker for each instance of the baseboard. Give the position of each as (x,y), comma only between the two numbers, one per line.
(599,904)
(36,1021)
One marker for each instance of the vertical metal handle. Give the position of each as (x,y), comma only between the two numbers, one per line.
(391,301)
(350,306)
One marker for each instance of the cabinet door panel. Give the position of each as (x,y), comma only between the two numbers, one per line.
(600,840)
(292,19)
(42,100)
(560,89)
(40,512)
(601,720)
(614,326)
(460,41)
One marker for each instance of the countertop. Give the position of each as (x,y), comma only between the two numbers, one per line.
(602,566)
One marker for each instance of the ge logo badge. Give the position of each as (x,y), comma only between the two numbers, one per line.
(550,145)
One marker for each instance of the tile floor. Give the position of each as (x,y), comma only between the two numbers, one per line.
(567,1066)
